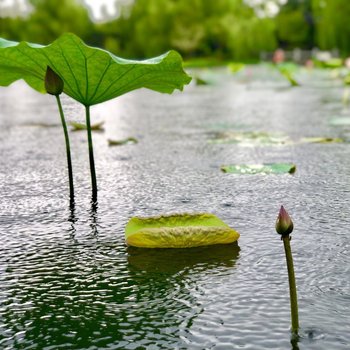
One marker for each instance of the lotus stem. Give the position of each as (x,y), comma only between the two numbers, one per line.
(292,285)
(91,155)
(66,137)
(284,226)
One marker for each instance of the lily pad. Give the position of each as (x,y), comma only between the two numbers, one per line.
(273,168)
(42,125)
(321,140)
(201,81)
(235,67)
(127,141)
(250,139)
(81,126)
(289,76)
(340,121)
(178,231)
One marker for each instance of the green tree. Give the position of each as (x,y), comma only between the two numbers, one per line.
(294,24)
(332,24)
(48,20)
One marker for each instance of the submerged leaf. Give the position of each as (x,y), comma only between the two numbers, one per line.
(321,140)
(340,121)
(80,126)
(90,75)
(178,231)
(127,141)
(273,168)
(250,138)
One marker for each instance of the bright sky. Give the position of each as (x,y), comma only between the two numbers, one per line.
(96,5)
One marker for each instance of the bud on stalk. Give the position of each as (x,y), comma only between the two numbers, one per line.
(53,82)
(284,226)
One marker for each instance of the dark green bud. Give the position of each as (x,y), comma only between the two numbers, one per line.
(53,82)
(284,224)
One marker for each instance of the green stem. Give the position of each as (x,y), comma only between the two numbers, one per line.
(69,160)
(292,285)
(91,155)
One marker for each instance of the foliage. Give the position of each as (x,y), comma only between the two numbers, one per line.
(332,24)
(47,21)
(223,29)
(294,25)
(90,75)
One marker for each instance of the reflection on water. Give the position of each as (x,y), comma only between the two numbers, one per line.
(172,261)
(75,295)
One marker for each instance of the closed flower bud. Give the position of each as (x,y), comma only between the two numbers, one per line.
(284,224)
(53,82)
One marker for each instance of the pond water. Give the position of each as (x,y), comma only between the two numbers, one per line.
(67,279)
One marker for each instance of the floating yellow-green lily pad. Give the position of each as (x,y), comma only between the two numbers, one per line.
(178,231)
(273,168)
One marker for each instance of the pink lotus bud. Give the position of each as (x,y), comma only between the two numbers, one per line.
(284,224)
(53,82)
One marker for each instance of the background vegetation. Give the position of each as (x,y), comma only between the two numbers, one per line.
(223,29)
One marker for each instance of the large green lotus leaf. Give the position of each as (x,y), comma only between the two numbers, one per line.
(90,75)
(178,231)
(273,168)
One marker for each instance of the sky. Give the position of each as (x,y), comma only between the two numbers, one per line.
(96,5)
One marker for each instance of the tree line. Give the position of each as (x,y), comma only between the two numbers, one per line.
(224,29)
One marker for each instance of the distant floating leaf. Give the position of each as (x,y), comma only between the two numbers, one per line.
(81,126)
(347,80)
(127,141)
(42,125)
(200,81)
(321,140)
(346,95)
(178,231)
(289,76)
(236,66)
(251,139)
(340,121)
(331,63)
(273,168)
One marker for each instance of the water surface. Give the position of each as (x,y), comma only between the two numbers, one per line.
(67,279)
